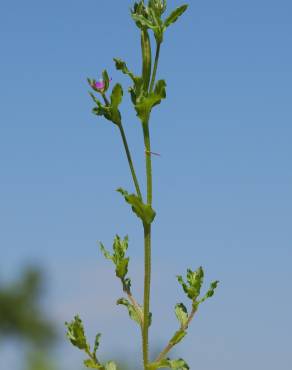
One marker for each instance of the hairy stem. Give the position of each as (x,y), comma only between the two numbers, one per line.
(147,282)
(147,246)
(158,44)
(130,161)
(184,327)
(136,305)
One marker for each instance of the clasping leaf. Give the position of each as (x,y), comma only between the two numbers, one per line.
(143,211)
(145,104)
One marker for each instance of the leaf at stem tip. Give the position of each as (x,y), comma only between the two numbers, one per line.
(194,282)
(118,258)
(106,254)
(181,313)
(173,17)
(106,80)
(143,211)
(210,291)
(116,98)
(122,66)
(96,343)
(76,334)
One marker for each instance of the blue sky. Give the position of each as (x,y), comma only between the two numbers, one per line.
(222,185)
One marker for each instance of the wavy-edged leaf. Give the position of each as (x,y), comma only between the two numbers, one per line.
(122,66)
(194,282)
(106,253)
(134,315)
(173,17)
(179,364)
(96,343)
(116,98)
(181,313)
(210,291)
(91,364)
(110,366)
(76,334)
(178,336)
(143,211)
(118,257)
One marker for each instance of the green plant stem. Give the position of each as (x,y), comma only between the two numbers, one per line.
(126,146)
(130,161)
(184,327)
(158,44)
(147,247)
(147,282)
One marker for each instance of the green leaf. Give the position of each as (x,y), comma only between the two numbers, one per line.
(143,21)
(178,336)
(173,17)
(116,98)
(143,211)
(96,343)
(106,254)
(181,313)
(159,6)
(183,284)
(105,79)
(134,315)
(121,66)
(148,101)
(210,292)
(195,281)
(179,364)
(110,366)
(76,334)
(118,257)
(122,268)
(90,363)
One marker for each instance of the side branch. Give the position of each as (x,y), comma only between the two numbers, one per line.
(136,183)
(184,327)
